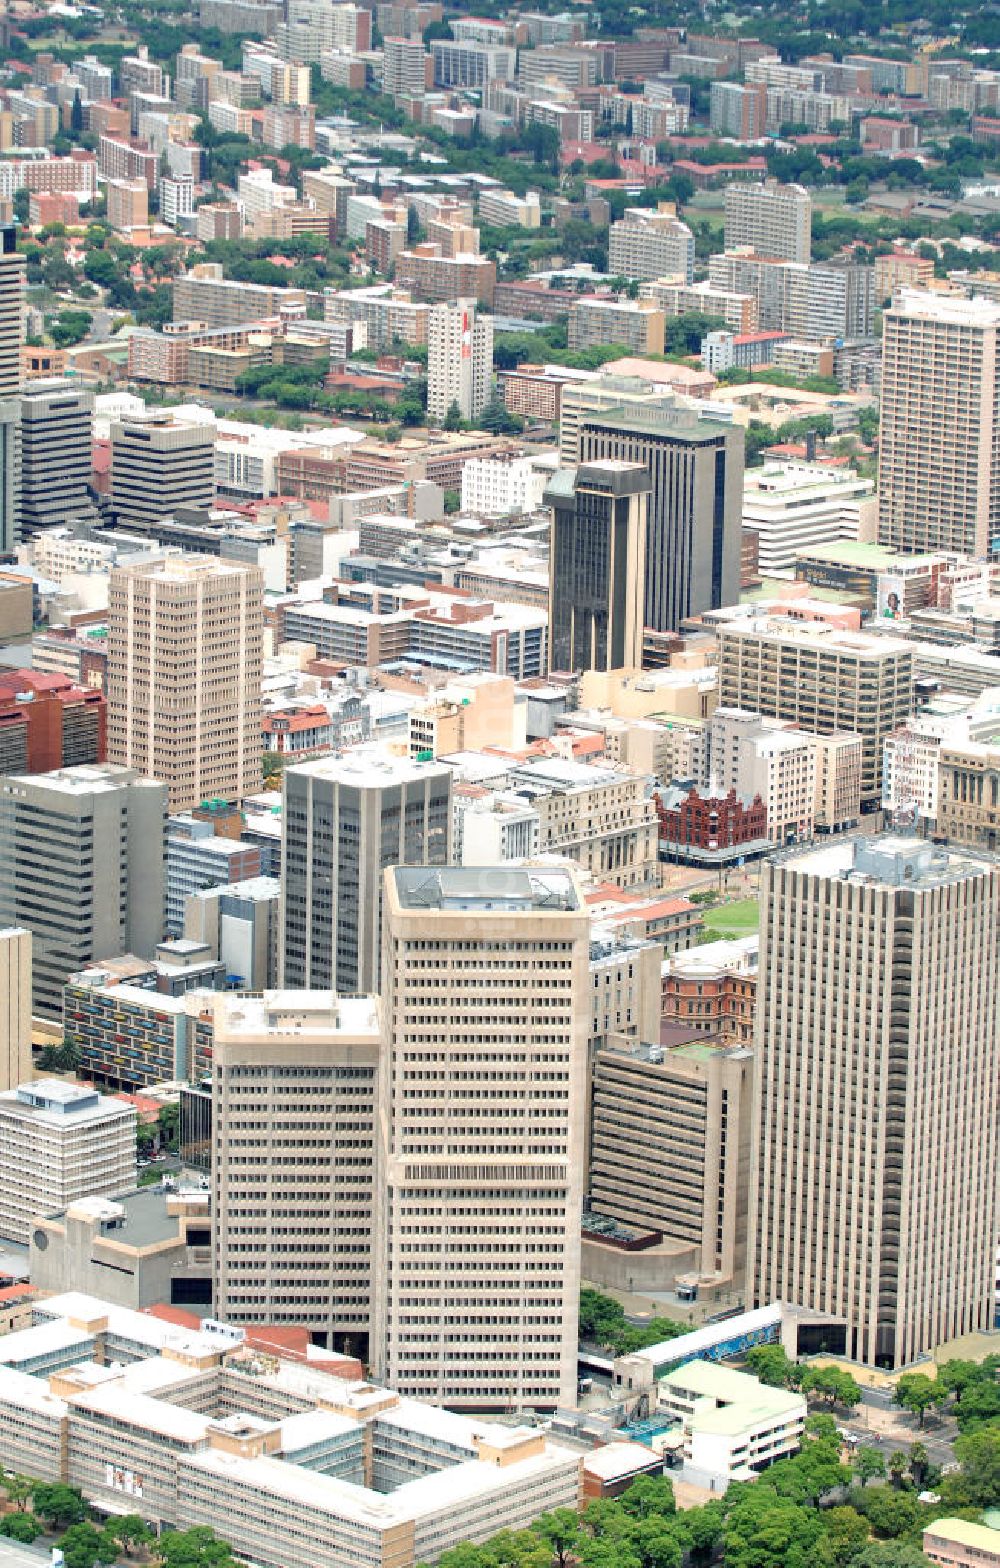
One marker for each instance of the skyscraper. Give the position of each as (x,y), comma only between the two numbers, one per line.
(874,1183)
(293,1085)
(939,473)
(15,1007)
(12,280)
(459,360)
(57,439)
(693,528)
(81,867)
(346,819)
(480,1153)
(773,219)
(184,673)
(597,566)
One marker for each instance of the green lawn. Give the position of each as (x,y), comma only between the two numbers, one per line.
(738,919)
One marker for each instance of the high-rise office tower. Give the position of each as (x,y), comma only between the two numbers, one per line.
(874,1184)
(597,566)
(12,280)
(480,1154)
(939,472)
(459,360)
(81,867)
(57,439)
(293,1085)
(157,466)
(346,819)
(184,671)
(15,1007)
(773,219)
(693,526)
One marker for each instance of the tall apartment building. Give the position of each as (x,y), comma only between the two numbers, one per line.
(345,819)
(874,1183)
(81,867)
(11,337)
(406,67)
(59,1142)
(773,219)
(158,465)
(203,294)
(478,1267)
(463,64)
(648,245)
(459,360)
(15,1007)
(184,673)
(738,111)
(636,324)
(293,1092)
(12,283)
(57,429)
(831,299)
(939,473)
(693,527)
(128,203)
(820,679)
(432,275)
(597,566)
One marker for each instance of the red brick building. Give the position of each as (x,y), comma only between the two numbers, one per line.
(47,722)
(710,829)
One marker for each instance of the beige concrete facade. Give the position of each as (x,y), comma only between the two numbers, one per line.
(670,1148)
(293,1090)
(874,1184)
(968,794)
(185,645)
(15,1007)
(774,220)
(481,1135)
(939,480)
(820,679)
(59,1142)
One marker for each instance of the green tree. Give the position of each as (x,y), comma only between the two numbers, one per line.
(846,1530)
(453,418)
(890,1513)
(561,1531)
(650,1496)
(979,1455)
(772,1365)
(916,1392)
(18,1487)
(898,1466)
(832,1384)
(83,1545)
(76,115)
(657,1543)
(21,1527)
(58,1505)
(869,1463)
(889,1554)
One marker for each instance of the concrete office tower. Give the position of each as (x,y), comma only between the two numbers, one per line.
(939,477)
(81,867)
(239,924)
(157,466)
(773,219)
(480,1137)
(821,679)
(15,1007)
(184,671)
(12,278)
(459,360)
(346,819)
(293,1108)
(597,566)
(60,1142)
(874,1185)
(693,527)
(57,438)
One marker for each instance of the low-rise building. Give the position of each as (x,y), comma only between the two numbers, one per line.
(961,1543)
(130,1035)
(734,1426)
(138,1248)
(59,1142)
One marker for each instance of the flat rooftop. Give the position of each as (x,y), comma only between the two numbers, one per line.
(892,861)
(477,888)
(297,1012)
